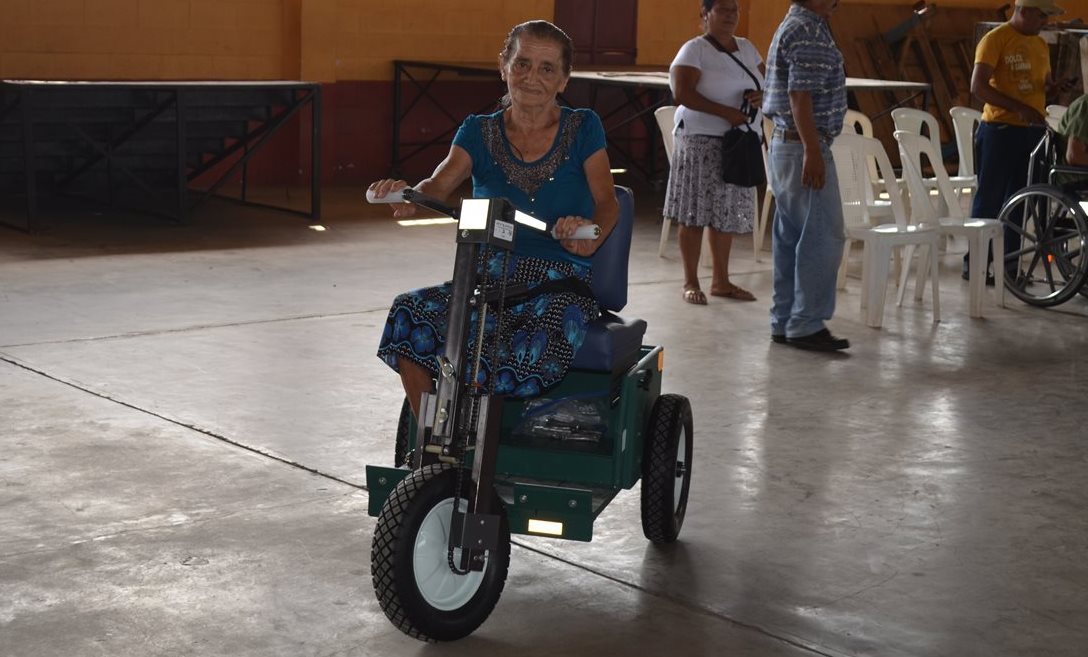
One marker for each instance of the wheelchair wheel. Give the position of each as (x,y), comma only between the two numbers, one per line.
(416,587)
(402,447)
(666,468)
(1051,265)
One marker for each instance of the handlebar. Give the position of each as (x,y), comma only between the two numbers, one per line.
(395,196)
(409,195)
(586,232)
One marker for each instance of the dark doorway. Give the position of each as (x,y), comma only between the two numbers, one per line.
(605,32)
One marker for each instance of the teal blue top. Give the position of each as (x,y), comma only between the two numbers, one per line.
(549,188)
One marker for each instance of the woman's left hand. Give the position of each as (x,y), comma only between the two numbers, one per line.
(565,227)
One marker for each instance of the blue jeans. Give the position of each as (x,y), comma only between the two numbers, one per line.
(1002,153)
(807,242)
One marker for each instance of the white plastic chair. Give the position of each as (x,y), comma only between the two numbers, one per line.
(666,115)
(863,125)
(979,232)
(850,152)
(763,211)
(964,122)
(911,120)
(878,208)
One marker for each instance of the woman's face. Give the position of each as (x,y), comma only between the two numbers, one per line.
(723,17)
(534,74)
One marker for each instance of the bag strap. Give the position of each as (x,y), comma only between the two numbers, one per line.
(714,42)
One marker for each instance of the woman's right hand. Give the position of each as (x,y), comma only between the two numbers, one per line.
(387,185)
(734,116)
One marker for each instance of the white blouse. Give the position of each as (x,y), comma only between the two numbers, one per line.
(721,80)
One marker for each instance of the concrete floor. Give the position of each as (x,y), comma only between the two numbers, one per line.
(187,410)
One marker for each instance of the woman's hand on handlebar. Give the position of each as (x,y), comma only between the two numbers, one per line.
(565,227)
(387,185)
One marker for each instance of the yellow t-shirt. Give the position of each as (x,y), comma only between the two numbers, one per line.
(1021,66)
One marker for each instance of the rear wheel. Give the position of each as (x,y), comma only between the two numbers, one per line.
(416,586)
(1050,265)
(666,468)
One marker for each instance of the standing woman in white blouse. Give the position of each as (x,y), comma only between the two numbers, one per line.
(710,88)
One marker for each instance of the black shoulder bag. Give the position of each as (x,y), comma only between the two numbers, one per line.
(742,145)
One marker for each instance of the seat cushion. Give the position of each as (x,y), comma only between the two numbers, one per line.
(612,344)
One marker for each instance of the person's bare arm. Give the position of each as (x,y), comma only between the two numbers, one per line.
(1076,152)
(813,170)
(447,177)
(984,91)
(684,80)
(606,210)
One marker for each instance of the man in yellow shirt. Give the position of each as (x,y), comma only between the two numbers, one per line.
(1012,76)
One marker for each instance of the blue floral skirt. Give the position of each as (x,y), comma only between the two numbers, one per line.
(537,339)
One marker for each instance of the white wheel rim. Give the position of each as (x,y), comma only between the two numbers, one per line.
(681,471)
(441,587)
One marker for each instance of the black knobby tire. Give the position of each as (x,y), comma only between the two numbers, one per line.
(666,468)
(401,447)
(1051,265)
(393,563)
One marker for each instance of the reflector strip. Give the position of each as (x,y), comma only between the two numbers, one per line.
(545,527)
(426,222)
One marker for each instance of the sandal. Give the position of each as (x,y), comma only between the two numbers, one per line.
(734,292)
(694,296)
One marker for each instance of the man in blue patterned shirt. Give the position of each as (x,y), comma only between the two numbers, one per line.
(805,96)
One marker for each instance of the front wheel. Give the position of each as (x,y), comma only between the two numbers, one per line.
(416,586)
(666,468)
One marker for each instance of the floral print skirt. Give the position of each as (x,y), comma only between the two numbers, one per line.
(536,341)
(697,196)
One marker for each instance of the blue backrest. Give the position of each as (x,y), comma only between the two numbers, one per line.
(610,260)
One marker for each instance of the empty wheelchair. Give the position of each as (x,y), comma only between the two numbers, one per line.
(1050,219)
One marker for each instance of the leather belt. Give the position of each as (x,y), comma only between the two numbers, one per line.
(783,134)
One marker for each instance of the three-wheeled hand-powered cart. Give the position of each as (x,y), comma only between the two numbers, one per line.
(479,467)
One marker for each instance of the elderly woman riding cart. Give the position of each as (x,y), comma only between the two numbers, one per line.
(547,405)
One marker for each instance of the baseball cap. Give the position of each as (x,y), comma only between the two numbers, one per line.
(1046,6)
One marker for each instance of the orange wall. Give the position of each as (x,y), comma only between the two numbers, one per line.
(322,40)
(150,39)
(358,39)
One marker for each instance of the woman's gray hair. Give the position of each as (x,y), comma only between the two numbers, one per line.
(538,29)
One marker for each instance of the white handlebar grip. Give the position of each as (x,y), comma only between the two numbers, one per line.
(392,197)
(585,232)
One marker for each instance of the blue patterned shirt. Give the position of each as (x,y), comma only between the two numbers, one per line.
(553,186)
(804,57)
